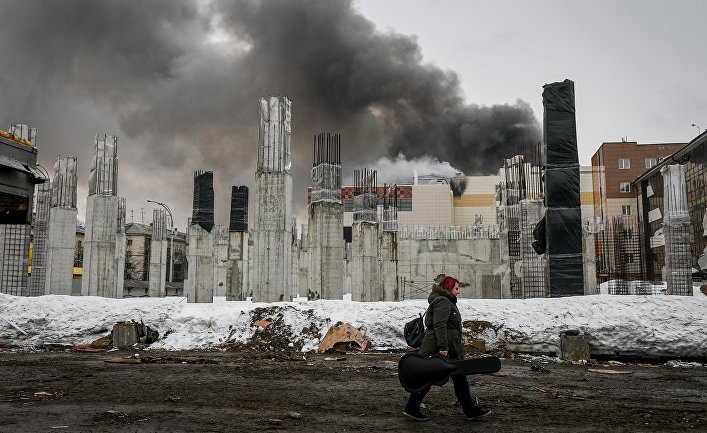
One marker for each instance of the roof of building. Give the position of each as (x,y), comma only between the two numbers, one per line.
(679,157)
(138,229)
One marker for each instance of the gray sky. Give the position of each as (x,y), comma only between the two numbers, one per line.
(455,81)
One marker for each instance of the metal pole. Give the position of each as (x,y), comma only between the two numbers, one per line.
(171,239)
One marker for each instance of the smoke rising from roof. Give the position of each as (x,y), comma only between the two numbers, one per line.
(179,83)
(400,170)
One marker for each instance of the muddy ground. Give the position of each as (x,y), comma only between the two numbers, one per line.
(244,391)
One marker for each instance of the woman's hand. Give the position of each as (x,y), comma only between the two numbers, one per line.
(444,353)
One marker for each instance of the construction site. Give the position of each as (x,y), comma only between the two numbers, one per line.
(530,231)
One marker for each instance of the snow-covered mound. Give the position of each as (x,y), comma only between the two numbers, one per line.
(673,326)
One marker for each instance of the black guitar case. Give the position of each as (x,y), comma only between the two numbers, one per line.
(416,372)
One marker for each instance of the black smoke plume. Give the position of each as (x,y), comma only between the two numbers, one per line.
(179,83)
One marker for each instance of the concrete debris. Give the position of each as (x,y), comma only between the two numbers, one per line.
(295,415)
(574,347)
(127,334)
(341,337)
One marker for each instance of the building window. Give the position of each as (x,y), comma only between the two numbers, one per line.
(624,163)
(625,186)
(626,209)
(130,242)
(628,233)
(650,162)
(629,257)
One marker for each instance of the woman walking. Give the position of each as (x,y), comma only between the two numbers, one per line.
(444,337)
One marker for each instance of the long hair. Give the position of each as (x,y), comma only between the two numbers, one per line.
(448,283)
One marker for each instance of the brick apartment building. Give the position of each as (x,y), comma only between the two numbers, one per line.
(615,166)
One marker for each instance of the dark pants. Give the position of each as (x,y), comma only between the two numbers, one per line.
(461,389)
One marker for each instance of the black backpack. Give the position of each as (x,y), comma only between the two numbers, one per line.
(414,331)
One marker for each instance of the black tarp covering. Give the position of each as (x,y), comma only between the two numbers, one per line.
(564,230)
(560,125)
(562,187)
(239,209)
(565,278)
(540,242)
(203,213)
(563,220)
(561,138)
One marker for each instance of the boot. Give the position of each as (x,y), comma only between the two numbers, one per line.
(412,408)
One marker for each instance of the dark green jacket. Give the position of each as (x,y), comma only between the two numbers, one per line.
(443,325)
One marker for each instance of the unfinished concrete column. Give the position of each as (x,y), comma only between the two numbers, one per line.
(221,263)
(305,260)
(294,262)
(388,246)
(326,220)
(365,284)
(37,281)
(238,245)
(104,243)
(199,285)
(589,230)
(677,230)
(273,210)
(534,265)
(61,244)
(119,257)
(158,255)
(510,207)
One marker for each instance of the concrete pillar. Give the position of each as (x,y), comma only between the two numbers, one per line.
(37,281)
(104,242)
(61,243)
(101,248)
(305,263)
(677,231)
(199,286)
(221,263)
(60,251)
(119,262)
(589,257)
(272,237)
(389,266)
(238,257)
(326,248)
(158,255)
(365,284)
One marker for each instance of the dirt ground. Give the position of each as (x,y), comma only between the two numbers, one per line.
(244,391)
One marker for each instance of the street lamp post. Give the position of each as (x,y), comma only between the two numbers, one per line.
(171,238)
(699,131)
